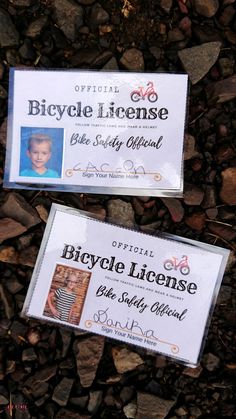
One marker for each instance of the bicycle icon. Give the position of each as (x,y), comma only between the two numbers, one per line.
(142,93)
(182,265)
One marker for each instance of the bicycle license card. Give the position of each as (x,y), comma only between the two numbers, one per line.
(100,132)
(154,292)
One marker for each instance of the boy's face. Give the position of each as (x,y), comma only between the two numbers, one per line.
(39,155)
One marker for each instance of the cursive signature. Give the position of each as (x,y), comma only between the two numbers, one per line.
(127,166)
(102,317)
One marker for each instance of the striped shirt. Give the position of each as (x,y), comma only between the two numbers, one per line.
(64,301)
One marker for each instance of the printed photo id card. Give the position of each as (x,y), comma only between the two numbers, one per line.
(154,292)
(96,132)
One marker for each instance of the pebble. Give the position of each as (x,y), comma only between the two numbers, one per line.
(8,254)
(193,195)
(28,256)
(68,16)
(68,414)
(125,360)
(193,372)
(207,8)
(209,200)
(132,59)
(211,362)
(62,391)
(99,16)
(95,399)
(3,93)
(111,65)
(7,302)
(222,90)
(88,354)
(10,228)
(228,189)
(166,5)
(152,407)
(130,410)
(227,233)
(121,212)
(21,3)
(16,207)
(97,210)
(189,147)
(9,37)
(226,66)
(196,221)
(175,208)
(3,133)
(36,26)
(29,355)
(205,55)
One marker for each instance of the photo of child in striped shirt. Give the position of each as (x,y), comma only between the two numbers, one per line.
(67,294)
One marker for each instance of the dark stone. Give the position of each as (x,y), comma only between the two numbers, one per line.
(62,391)
(9,37)
(68,16)
(36,26)
(7,302)
(17,208)
(26,51)
(99,16)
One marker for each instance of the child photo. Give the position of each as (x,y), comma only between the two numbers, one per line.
(41,152)
(67,294)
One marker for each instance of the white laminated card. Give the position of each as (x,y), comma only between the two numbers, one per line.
(99,132)
(154,292)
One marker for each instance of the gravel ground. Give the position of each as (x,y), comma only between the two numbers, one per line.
(48,372)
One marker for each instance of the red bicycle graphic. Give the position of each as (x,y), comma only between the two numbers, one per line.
(142,93)
(182,265)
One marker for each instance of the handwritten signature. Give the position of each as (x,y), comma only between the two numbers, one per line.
(130,325)
(127,167)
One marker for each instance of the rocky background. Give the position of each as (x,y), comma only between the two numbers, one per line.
(48,372)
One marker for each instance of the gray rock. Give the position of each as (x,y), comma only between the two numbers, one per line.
(152,407)
(9,37)
(36,26)
(222,90)
(68,16)
(125,360)
(62,391)
(121,212)
(211,362)
(130,410)
(228,189)
(88,354)
(16,207)
(95,400)
(132,59)
(111,64)
(99,16)
(204,55)
(207,8)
